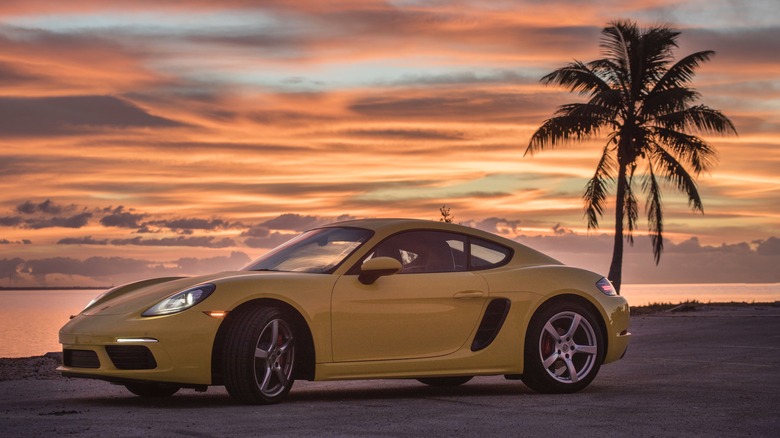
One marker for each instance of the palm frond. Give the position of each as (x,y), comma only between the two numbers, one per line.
(706,119)
(664,101)
(611,101)
(616,42)
(700,117)
(653,54)
(576,77)
(655,218)
(682,71)
(597,188)
(561,130)
(694,152)
(674,172)
(631,206)
(603,114)
(613,74)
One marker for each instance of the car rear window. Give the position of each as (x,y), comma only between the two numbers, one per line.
(486,255)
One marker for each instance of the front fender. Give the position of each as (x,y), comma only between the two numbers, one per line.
(308,294)
(125,288)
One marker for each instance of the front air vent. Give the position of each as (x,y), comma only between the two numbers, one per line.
(80,358)
(495,314)
(131,357)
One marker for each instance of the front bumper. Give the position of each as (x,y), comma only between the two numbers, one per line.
(617,324)
(174,349)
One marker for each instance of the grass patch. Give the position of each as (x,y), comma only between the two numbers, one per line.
(685,306)
(692,306)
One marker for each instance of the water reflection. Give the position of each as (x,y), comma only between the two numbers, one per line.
(30,319)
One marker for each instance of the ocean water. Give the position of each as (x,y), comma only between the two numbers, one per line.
(31,319)
(643,294)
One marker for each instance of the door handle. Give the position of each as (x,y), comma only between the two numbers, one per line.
(469,294)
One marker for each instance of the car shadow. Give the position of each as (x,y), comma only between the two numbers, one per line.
(312,392)
(420,391)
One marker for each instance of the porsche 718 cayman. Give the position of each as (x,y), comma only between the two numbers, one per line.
(365,299)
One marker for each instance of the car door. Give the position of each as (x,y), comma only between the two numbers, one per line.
(428,309)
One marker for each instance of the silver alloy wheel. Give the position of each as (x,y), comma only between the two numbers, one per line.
(568,347)
(274,358)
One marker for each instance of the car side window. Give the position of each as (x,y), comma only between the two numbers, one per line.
(486,255)
(425,251)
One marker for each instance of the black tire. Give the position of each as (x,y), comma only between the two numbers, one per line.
(564,348)
(259,356)
(445,381)
(152,389)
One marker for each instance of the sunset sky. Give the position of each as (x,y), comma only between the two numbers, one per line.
(180,137)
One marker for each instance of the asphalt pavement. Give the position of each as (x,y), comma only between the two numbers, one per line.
(706,373)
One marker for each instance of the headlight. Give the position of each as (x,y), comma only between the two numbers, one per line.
(181,300)
(606,287)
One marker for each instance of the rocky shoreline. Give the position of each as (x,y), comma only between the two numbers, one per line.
(31,368)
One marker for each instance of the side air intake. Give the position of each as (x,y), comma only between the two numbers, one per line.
(494,317)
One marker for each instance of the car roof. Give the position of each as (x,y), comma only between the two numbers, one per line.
(388,226)
(381,224)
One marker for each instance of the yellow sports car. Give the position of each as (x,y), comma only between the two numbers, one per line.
(365,299)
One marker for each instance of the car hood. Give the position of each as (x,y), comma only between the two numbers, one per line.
(139,296)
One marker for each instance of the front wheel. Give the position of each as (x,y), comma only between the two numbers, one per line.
(564,348)
(259,356)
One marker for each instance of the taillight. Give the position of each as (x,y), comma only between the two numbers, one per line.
(606,287)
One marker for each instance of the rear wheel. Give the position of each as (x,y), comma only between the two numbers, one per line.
(259,356)
(564,348)
(152,389)
(445,381)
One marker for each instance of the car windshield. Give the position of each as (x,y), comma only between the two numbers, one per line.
(316,251)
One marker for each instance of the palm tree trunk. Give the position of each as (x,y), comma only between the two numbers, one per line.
(616,267)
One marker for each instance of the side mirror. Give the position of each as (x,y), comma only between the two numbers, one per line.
(378,267)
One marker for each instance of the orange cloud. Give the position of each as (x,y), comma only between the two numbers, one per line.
(241,112)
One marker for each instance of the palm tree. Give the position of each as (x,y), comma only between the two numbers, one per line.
(642,101)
